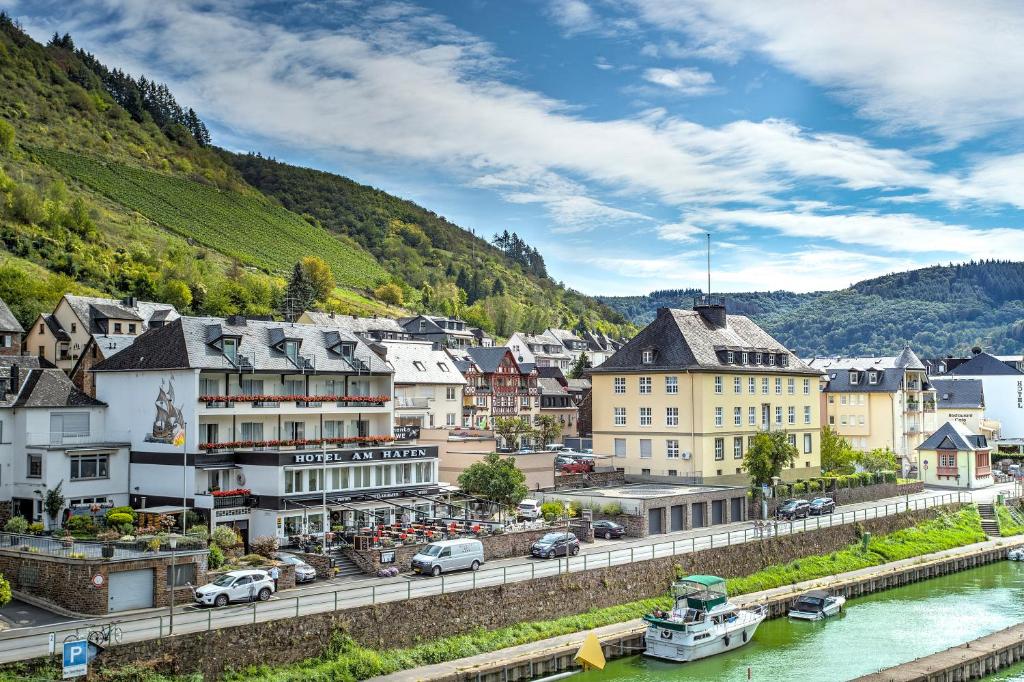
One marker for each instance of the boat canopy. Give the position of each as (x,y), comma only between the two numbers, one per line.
(812,601)
(701,591)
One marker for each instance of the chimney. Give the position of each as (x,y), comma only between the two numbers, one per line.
(236,320)
(15,379)
(712,309)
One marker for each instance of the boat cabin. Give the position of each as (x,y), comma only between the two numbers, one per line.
(812,602)
(700,592)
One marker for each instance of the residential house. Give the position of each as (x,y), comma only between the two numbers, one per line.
(963,401)
(1004,391)
(62,336)
(600,346)
(878,402)
(556,402)
(572,344)
(428,385)
(955,456)
(448,332)
(292,417)
(481,338)
(10,331)
(369,329)
(504,388)
(686,396)
(476,394)
(542,350)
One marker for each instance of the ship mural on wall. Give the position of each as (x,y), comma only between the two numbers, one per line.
(169,424)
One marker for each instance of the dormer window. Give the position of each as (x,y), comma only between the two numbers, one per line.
(423,326)
(771,358)
(419,365)
(746,358)
(647,356)
(730,357)
(757,358)
(854,378)
(872,377)
(291,349)
(230,349)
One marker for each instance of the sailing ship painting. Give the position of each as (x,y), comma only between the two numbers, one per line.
(169,424)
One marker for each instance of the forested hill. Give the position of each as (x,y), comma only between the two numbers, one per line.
(938,310)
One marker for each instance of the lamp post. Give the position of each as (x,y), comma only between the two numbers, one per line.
(173,542)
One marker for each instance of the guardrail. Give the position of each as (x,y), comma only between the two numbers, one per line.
(28,643)
(47,545)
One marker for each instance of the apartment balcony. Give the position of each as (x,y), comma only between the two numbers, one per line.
(289,444)
(249,404)
(218,500)
(913,406)
(50,439)
(929,406)
(913,386)
(411,403)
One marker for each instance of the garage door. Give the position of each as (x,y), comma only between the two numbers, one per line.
(717,511)
(737,510)
(697,515)
(677,517)
(129,590)
(654,521)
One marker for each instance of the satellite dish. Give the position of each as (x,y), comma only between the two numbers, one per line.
(240,478)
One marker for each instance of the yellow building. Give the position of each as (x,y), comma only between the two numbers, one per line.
(955,457)
(879,402)
(686,396)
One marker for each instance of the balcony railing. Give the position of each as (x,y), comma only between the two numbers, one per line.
(929,407)
(293,443)
(228,501)
(46,438)
(913,406)
(411,402)
(267,403)
(274,400)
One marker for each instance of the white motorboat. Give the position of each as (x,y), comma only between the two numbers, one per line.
(701,623)
(1016,554)
(816,605)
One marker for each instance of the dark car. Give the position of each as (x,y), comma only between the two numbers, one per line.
(556,544)
(794,509)
(822,505)
(608,530)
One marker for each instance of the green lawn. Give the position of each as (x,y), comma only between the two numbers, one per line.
(1008,521)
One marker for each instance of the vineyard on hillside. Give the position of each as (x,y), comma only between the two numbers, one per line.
(254,232)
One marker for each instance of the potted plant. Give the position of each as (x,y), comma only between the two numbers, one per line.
(108,537)
(67,541)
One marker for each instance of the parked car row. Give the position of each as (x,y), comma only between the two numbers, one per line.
(801,509)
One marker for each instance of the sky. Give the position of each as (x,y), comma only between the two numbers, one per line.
(818,143)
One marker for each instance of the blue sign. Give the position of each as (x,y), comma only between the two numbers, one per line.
(76,658)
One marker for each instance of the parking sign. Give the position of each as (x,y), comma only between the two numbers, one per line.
(76,658)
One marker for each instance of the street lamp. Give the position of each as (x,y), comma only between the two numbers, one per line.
(173,542)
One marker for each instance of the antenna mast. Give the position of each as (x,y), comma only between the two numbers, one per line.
(708,235)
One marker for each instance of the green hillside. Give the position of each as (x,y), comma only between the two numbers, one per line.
(939,310)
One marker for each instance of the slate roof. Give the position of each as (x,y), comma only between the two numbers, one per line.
(527,367)
(683,339)
(108,344)
(187,343)
(579,385)
(8,322)
(90,308)
(563,335)
(438,367)
(889,370)
(983,364)
(958,393)
(51,388)
(488,359)
(357,325)
(550,386)
(954,436)
(54,326)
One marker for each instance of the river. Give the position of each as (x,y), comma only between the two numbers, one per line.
(874,632)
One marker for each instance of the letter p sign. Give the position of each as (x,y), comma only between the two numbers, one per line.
(76,658)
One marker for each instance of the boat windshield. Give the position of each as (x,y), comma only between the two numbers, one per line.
(700,592)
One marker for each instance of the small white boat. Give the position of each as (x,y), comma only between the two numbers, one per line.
(702,622)
(816,605)
(1016,554)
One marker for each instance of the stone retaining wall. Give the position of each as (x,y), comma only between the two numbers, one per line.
(867,493)
(595,479)
(422,619)
(321,563)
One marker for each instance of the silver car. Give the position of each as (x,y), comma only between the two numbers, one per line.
(304,573)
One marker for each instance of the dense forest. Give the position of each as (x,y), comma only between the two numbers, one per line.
(939,310)
(109,185)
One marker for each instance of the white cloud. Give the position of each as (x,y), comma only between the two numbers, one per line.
(574,16)
(602,63)
(679,232)
(686,81)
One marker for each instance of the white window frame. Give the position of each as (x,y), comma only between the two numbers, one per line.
(719,417)
(646,418)
(671,385)
(672,448)
(619,385)
(671,416)
(619,415)
(718,385)
(646,385)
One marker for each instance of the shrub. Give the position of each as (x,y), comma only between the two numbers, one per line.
(153,545)
(201,532)
(574,509)
(264,545)
(253,560)
(389,293)
(552,510)
(6,139)
(80,524)
(36,528)
(5,591)
(16,524)
(121,510)
(613,509)
(216,557)
(225,537)
(119,519)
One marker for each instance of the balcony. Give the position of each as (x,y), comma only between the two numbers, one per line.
(309,403)
(929,406)
(272,401)
(913,406)
(411,403)
(265,404)
(291,444)
(59,439)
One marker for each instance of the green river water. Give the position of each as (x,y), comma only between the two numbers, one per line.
(873,632)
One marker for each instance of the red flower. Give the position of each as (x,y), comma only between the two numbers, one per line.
(227,493)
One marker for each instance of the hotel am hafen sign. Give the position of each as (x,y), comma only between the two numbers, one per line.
(370,455)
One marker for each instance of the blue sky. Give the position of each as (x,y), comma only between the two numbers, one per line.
(819,143)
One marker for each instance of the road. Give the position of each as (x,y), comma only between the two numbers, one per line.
(22,643)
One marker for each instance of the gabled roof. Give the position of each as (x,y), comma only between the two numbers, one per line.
(887,380)
(52,388)
(983,364)
(357,325)
(576,385)
(563,335)
(954,436)
(488,359)
(89,309)
(8,322)
(550,386)
(437,366)
(958,393)
(907,359)
(54,326)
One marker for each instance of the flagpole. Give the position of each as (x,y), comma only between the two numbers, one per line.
(184,478)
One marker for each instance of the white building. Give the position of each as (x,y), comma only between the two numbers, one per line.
(260,404)
(1004,391)
(428,386)
(542,350)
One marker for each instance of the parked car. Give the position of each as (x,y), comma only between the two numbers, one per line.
(528,509)
(576,466)
(561,460)
(304,573)
(556,544)
(449,555)
(793,509)
(608,530)
(822,505)
(236,586)
(555,447)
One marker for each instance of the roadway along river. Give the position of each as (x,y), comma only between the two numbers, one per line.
(874,632)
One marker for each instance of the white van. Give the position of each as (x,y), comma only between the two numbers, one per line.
(528,509)
(449,555)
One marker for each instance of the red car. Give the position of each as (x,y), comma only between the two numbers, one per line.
(576,468)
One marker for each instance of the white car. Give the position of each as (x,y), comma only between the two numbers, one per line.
(304,573)
(236,586)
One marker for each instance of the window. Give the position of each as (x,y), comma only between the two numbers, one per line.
(35,465)
(757,358)
(208,386)
(620,447)
(778,385)
(89,467)
(737,385)
(791,414)
(230,348)
(751,385)
(718,384)
(860,419)
(449,393)
(764,385)
(730,357)
(947,460)
(253,431)
(807,443)
(671,416)
(419,365)
(792,439)
(672,472)
(771,358)
(251,386)
(807,386)
(645,384)
(718,416)
(832,419)
(647,357)
(778,414)
(645,416)
(752,415)
(807,414)
(872,377)
(842,420)
(620,384)
(645,448)
(842,400)
(293,430)
(620,416)
(671,385)
(117,327)
(719,448)
(442,366)
(68,425)
(450,419)
(181,575)
(131,328)
(746,358)
(737,416)
(208,433)
(291,351)
(672,449)
(791,386)
(645,472)
(737,447)
(854,377)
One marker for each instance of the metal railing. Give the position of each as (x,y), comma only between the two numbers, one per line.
(27,643)
(45,438)
(47,545)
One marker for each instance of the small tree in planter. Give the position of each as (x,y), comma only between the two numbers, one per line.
(53,503)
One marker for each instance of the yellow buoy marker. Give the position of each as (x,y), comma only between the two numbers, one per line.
(590,654)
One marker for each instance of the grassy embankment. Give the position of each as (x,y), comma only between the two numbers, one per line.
(346,661)
(1009,521)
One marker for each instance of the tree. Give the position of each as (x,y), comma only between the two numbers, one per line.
(879,459)
(548,428)
(497,479)
(177,293)
(767,455)
(582,364)
(53,503)
(318,274)
(299,294)
(511,429)
(836,454)
(389,293)
(6,137)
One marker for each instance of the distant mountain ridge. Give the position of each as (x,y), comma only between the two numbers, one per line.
(939,310)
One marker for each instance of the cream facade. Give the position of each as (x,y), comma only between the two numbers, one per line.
(956,457)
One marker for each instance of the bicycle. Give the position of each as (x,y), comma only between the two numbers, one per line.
(105,635)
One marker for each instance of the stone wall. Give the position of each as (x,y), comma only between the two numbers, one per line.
(321,563)
(846,495)
(422,619)
(595,479)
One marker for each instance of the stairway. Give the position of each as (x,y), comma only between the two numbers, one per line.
(989,521)
(347,569)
